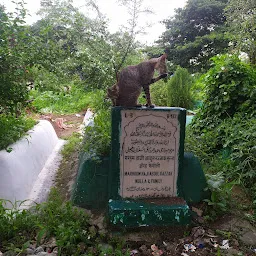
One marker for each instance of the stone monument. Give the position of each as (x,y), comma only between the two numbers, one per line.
(148,180)
(147,156)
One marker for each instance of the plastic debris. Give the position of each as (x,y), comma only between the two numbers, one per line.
(184,254)
(200,245)
(78,115)
(156,251)
(225,245)
(164,243)
(254,250)
(189,247)
(134,252)
(60,123)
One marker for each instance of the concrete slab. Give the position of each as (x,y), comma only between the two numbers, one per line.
(30,156)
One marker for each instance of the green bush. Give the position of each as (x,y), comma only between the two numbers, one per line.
(158,92)
(45,80)
(13,60)
(223,133)
(179,89)
(76,100)
(12,129)
(98,136)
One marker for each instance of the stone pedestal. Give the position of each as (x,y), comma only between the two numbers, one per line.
(148,179)
(146,159)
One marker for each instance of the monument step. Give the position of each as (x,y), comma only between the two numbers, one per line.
(148,212)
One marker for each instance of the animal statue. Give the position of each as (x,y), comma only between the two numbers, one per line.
(132,79)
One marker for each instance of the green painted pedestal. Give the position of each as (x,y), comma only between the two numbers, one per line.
(99,183)
(130,214)
(139,135)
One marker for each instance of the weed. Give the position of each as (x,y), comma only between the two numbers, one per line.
(220,199)
(76,100)
(12,129)
(223,133)
(97,137)
(74,140)
(16,226)
(54,218)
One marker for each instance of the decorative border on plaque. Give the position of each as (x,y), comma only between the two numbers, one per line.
(149,149)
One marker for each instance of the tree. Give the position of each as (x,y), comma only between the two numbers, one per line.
(179,89)
(71,43)
(14,54)
(195,33)
(241,18)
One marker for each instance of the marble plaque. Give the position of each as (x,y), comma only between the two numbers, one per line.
(149,147)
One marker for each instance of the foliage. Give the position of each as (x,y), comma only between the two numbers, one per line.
(44,80)
(97,136)
(12,129)
(14,221)
(229,88)
(158,92)
(70,43)
(73,101)
(241,15)
(219,201)
(73,141)
(98,133)
(223,132)
(128,43)
(195,34)
(13,62)
(68,224)
(179,89)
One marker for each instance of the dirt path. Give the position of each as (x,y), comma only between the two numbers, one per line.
(65,125)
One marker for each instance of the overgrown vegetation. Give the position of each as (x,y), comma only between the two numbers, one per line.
(98,134)
(179,89)
(69,225)
(12,129)
(223,132)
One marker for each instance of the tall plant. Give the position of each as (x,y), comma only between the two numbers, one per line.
(179,89)
(13,60)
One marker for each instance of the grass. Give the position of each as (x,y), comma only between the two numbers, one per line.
(74,140)
(69,225)
(12,129)
(65,103)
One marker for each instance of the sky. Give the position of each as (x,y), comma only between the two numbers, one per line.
(117,15)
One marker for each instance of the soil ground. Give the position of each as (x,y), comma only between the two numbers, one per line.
(169,240)
(71,123)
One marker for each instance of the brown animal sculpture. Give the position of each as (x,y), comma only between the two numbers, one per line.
(132,79)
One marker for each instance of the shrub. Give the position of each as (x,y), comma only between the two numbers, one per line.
(76,100)
(223,132)
(98,137)
(12,129)
(13,62)
(158,92)
(179,89)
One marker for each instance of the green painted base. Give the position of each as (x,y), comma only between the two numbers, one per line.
(131,214)
(91,188)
